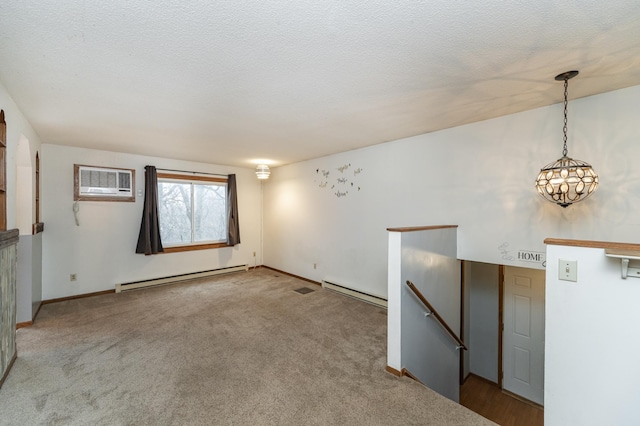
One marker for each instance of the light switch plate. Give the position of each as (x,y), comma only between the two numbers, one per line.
(568,270)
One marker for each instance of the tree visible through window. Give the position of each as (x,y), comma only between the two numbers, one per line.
(192,211)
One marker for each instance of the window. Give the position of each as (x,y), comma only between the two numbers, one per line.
(192,211)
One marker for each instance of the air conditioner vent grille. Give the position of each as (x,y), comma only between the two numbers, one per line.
(103,183)
(98,179)
(124,180)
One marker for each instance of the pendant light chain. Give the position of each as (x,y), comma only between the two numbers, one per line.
(564,128)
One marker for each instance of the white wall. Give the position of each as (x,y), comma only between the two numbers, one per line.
(482,281)
(466,326)
(29,280)
(22,145)
(591,361)
(415,342)
(429,260)
(101,251)
(479,176)
(18,128)
(25,182)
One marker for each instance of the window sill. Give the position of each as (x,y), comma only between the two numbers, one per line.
(176,249)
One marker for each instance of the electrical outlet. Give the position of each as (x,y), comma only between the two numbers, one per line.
(315,266)
(254,254)
(73,277)
(568,270)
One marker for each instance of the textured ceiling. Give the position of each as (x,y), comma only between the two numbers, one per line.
(232,81)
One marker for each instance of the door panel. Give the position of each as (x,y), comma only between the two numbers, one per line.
(522,362)
(522,319)
(523,339)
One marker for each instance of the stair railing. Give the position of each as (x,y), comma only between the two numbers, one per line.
(441,321)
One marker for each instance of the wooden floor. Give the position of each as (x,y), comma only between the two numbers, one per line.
(488,400)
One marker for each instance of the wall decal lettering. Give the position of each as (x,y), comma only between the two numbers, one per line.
(502,248)
(532,256)
(324,180)
(522,255)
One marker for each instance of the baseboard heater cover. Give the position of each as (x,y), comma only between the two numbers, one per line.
(369,298)
(178,278)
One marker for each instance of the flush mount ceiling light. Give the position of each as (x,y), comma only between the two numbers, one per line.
(262,171)
(566,181)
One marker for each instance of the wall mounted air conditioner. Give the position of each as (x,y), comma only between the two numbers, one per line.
(103,183)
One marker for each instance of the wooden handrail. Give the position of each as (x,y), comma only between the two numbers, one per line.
(435,313)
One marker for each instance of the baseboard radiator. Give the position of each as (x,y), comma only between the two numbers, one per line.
(178,278)
(375,300)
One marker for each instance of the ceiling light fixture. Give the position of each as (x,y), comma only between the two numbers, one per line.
(566,181)
(262,171)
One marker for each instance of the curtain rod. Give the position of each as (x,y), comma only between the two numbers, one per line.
(194,173)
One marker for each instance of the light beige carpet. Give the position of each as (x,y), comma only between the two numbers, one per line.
(239,349)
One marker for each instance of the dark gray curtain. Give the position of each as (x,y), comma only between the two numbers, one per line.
(232,204)
(149,241)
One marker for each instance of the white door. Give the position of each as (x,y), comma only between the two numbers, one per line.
(523,337)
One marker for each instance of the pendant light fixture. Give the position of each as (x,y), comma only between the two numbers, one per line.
(566,181)
(262,171)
